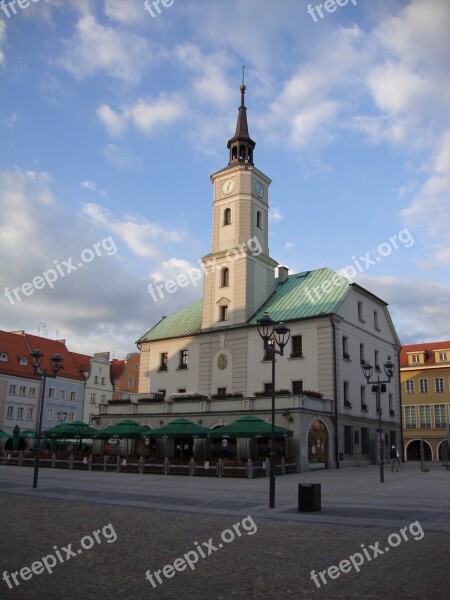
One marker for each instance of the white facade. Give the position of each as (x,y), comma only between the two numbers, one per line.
(98,390)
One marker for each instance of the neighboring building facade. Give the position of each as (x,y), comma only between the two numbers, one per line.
(425,380)
(98,389)
(125,376)
(206,361)
(20,389)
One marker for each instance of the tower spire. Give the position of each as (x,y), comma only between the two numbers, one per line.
(241,145)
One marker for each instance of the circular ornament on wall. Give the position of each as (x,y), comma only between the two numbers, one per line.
(222,361)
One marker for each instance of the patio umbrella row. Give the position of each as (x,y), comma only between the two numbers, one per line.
(245,427)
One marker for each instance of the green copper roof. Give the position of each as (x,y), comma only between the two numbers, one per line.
(305,295)
(183,322)
(301,296)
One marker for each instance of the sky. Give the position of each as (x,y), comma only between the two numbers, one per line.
(113,117)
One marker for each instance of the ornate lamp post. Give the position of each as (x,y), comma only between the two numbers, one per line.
(273,334)
(367,370)
(56,364)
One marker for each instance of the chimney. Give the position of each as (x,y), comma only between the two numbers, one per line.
(283,274)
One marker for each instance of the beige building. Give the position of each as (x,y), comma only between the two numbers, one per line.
(207,362)
(425,380)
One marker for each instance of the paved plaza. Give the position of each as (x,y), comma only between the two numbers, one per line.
(370,540)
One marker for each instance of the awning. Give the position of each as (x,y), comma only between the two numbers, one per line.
(249,427)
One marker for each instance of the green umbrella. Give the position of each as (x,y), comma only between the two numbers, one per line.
(75,429)
(179,428)
(249,427)
(28,433)
(124,429)
(16,432)
(4,435)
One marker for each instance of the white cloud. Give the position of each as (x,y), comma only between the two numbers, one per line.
(2,39)
(142,237)
(146,116)
(92,186)
(124,12)
(275,214)
(96,48)
(121,158)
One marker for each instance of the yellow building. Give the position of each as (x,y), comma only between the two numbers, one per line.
(425,381)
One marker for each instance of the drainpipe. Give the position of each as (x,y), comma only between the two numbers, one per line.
(336,429)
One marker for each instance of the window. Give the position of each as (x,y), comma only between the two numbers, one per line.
(164,357)
(225,277)
(103,399)
(71,416)
(409,384)
(391,404)
(62,394)
(364,440)
(223,313)
(268,388)
(49,414)
(443,356)
(410,417)
(415,358)
(362,360)
(375,320)
(93,398)
(258,220)
(423,386)
(227,216)
(32,392)
(267,353)
(348,440)
(30,414)
(297,387)
(183,359)
(9,412)
(297,346)
(130,382)
(363,398)
(181,390)
(12,389)
(91,418)
(51,392)
(439,384)
(3,357)
(73,396)
(425,416)
(23,390)
(20,412)
(360,312)
(136,367)
(347,394)
(103,381)
(377,360)
(345,353)
(222,392)
(96,379)
(23,361)
(439,416)
(356,436)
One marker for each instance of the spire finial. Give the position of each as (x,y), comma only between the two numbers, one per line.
(243,77)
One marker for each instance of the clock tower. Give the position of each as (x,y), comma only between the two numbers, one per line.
(239,274)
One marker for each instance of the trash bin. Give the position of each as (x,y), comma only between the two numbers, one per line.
(309,497)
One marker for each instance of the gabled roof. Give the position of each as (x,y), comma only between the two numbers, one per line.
(117,368)
(15,346)
(82,361)
(428,347)
(301,296)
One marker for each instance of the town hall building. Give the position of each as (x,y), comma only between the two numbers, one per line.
(207,362)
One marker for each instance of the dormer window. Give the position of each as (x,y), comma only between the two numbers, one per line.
(227,216)
(23,361)
(3,357)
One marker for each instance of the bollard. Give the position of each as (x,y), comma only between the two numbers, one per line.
(192,466)
(71,461)
(166,466)
(250,468)
(267,467)
(20,458)
(4,457)
(219,468)
(105,463)
(141,464)
(283,466)
(53,460)
(90,462)
(118,463)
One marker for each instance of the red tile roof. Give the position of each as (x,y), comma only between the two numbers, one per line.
(428,347)
(82,361)
(117,368)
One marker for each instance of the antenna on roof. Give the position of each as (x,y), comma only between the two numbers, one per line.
(42,331)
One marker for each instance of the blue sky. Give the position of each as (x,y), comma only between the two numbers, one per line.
(112,120)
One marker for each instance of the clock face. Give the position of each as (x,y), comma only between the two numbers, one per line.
(259,189)
(228,186)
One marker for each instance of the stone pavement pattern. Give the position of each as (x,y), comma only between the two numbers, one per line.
(274,563)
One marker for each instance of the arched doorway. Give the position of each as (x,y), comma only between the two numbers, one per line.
(318,445)
(444,450)
(413,450)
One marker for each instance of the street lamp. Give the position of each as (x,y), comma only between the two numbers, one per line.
(271,334)
(56,364)
(62,415)
(367,370)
